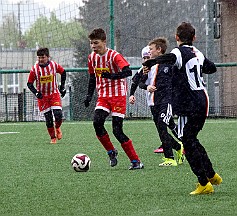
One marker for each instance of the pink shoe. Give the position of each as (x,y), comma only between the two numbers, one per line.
(159,150)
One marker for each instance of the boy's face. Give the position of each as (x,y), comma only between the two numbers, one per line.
(154,52)
(42,59)
(98,46)
(145,58)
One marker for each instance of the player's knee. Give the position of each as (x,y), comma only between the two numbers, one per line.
(58,115)
(119,135)
(49,119)
(117,132)
(99,128)
(96,125)
(98,122)
(49,124)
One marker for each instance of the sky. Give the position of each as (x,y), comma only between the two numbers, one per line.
(51,4)
(30,10)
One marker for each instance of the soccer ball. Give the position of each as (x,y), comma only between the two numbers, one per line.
(81,163)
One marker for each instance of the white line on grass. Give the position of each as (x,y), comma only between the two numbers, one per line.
(151,122)
(9,133)
(126,121)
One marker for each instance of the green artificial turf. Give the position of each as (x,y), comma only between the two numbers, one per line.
(37,178)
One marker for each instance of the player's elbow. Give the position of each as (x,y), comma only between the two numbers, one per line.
(29,84)
(127,71)
(208,67)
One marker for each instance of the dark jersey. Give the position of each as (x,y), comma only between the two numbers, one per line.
(135,81)
(159,76)
(189,92)
(136,78)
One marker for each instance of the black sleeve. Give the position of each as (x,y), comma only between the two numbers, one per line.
(208,67)
(126,72)
(31,88)
(135,81)
(91,86)
(169,58)
(142,84)
(133,88)
(63,79)
(136,78)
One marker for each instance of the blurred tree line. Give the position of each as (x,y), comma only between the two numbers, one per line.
(137,22)
(50,32)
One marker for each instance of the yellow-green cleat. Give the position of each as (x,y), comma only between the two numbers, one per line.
(207,189)
(180,155)
(216,180)
(168,162)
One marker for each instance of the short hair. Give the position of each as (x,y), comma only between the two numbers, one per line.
(43,51)
(160,42)
(97,34)
(185,31)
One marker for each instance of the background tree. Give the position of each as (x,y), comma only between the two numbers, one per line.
(80,80)
(137,22)
(48,32)
(9,34)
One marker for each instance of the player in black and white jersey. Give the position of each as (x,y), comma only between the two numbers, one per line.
(148,52)
(158,85)
(191,102)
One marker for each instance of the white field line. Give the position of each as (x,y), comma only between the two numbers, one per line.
(9,133)
(109,122)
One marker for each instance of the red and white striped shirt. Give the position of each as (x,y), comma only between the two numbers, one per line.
(45,77)
(112,62)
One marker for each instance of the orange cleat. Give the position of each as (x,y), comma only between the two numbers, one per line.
(53,141)
(59,134)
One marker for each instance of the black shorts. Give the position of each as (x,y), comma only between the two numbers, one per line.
(162,112)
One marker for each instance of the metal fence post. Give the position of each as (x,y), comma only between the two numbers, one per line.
(6,107)
(70,104)
(24,104)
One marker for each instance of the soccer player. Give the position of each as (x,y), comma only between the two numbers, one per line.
(136,79)
(150,51)
(158,85)
(108,71)
(138,75)
(47,91)
(191,103)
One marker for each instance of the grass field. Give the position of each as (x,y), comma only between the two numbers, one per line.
(37,178)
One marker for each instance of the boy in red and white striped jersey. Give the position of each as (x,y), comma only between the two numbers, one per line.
(108,71)
(47,91)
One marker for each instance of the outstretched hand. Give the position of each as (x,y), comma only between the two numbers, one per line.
(62,91)
(106,75)
(39,95)
(87,101)
(132,99)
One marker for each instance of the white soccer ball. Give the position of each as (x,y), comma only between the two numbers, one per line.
(81,163)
